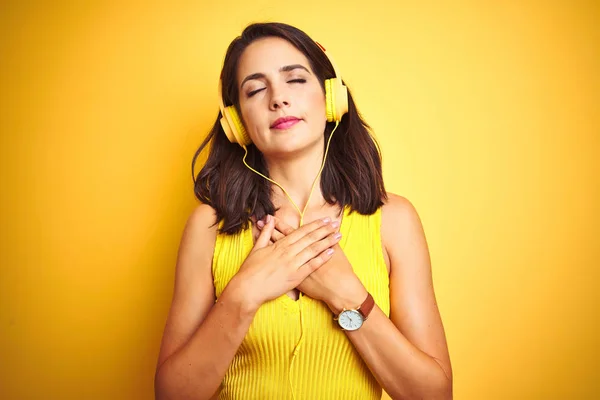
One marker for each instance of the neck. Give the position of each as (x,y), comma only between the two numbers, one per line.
(296,176)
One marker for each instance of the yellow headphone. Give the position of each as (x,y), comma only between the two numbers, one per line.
(336,100)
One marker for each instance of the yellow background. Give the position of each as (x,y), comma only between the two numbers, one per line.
(488,115)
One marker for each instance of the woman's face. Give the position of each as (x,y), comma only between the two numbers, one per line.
(281,99)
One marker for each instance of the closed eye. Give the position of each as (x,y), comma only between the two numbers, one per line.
(252,93)
(299,80)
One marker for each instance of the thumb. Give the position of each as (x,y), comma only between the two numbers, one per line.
(265,233)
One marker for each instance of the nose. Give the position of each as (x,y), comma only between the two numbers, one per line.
(279,99)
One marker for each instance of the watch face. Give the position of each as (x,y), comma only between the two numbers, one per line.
(350,320)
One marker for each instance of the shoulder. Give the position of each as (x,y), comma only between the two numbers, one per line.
(400,223)
(200,227)
(397,209)
(202,216)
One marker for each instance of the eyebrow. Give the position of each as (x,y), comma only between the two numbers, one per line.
(286,68)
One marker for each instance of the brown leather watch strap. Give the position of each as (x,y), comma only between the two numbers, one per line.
(367,306)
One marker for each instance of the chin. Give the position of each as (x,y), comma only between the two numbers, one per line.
(296,147)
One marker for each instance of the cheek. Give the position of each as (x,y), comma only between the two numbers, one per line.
(317,101)
(318,117)
(250,118)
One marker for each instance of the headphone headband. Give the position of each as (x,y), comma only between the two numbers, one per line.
(336,71)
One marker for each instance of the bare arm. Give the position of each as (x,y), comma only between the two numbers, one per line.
(201,337)
(407,352)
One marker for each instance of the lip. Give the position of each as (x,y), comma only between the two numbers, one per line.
(284,122)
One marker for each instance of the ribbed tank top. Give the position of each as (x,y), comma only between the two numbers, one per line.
(294,349)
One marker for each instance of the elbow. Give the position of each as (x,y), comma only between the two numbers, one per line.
(166,389)
(435,388)
(440,388)
(163,386)
(440,384)
(429,394)
(445,386)
(444,389)
(160,392)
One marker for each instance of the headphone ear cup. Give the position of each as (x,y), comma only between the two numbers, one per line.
(233,127)
(336,99)
(227,129)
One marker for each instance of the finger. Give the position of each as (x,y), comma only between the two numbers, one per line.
(282,227)
(265,234)
(276,236)
(271,241)
(315,263)
(307,229)
(317,248)
(309,239)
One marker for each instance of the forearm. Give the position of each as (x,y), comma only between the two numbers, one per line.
(404,371)
(197,369)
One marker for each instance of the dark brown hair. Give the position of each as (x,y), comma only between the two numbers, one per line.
(352,173)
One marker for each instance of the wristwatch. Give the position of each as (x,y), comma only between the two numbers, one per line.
(351,320)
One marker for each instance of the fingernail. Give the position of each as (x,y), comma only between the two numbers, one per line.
(329,252)
(337,235)
(335,224)
(260,224)
(268,218)
(326,219)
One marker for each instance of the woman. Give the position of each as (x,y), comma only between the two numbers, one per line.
(286,289)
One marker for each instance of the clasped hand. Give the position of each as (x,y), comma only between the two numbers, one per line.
(334,282)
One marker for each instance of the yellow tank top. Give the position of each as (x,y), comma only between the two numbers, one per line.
(294,349)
